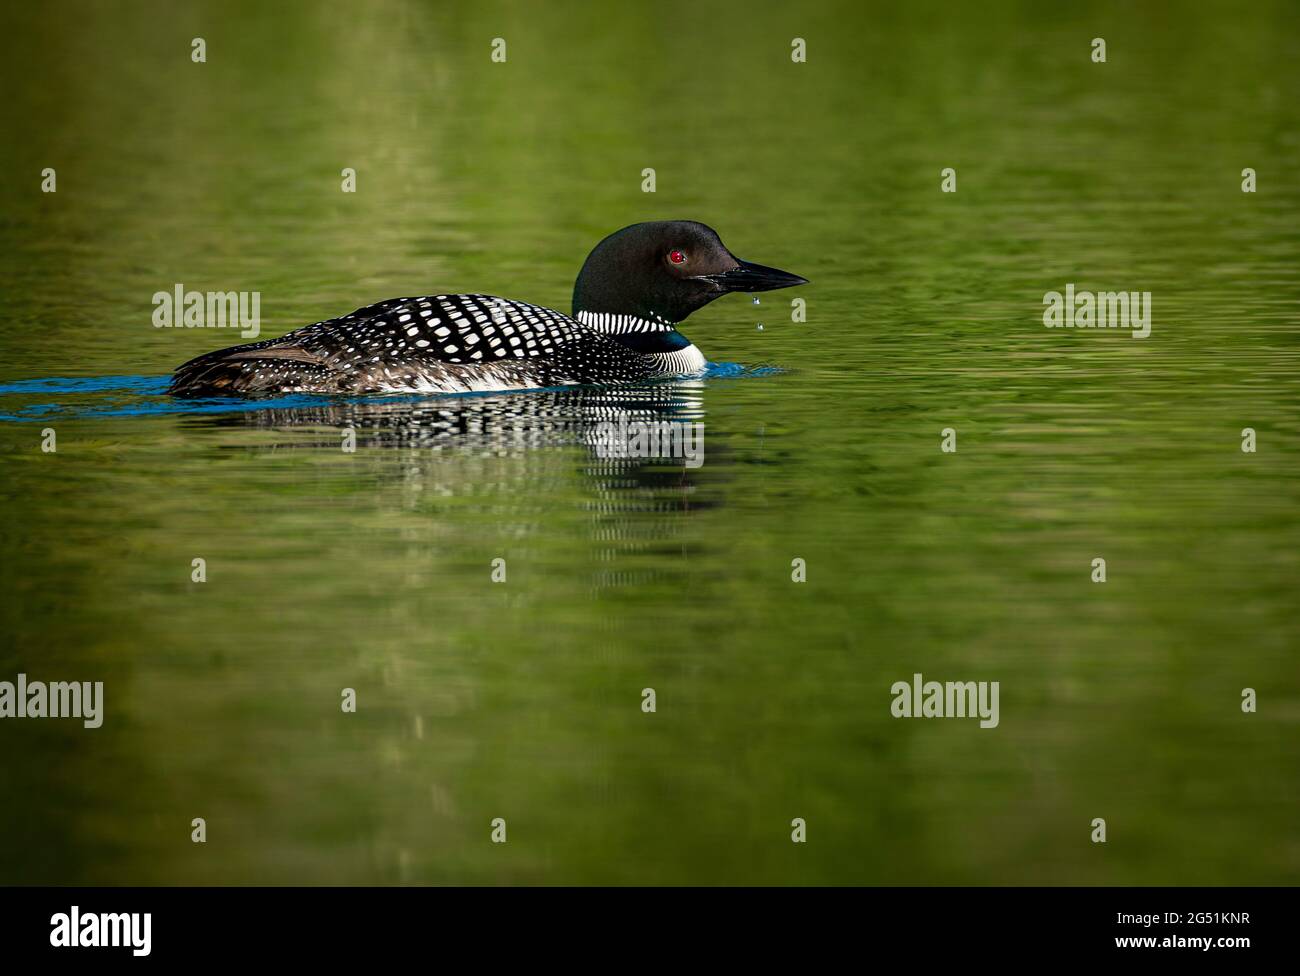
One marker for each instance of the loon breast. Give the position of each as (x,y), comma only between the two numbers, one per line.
(656,338)
(443,344)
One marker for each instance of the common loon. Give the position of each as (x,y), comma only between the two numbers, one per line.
(634,288)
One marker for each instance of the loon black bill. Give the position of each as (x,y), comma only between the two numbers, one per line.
(754,277)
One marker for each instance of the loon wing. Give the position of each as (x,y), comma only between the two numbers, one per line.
(247,370)
(460,329)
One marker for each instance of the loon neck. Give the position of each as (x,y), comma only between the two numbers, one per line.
(644,335)
(614,324)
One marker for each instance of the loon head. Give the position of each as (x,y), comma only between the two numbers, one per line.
(666,269)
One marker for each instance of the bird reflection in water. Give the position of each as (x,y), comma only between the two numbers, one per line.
(641,465)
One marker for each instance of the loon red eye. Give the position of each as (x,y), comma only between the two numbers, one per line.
(677,256)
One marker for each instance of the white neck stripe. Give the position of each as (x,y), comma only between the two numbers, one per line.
(622,324)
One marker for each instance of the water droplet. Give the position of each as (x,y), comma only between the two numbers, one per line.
(760,326)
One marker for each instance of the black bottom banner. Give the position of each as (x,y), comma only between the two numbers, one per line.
(1170,926)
